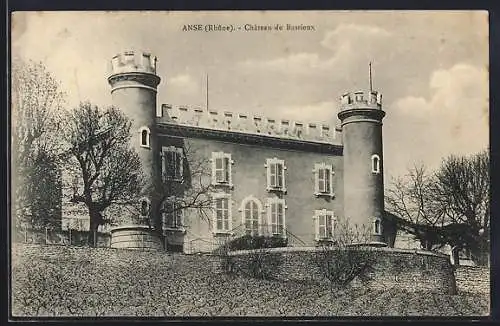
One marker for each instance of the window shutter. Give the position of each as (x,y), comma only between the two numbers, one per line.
(213,167)
(181,218)
(273,218)
(316,226)
(322,226)
(328,225)
(273,175)
(280,174)
(316,179)
(163,165)
(226,169)
(229,205)
(328,180)
(281,221)
(218,213)
(178,165)
(321,180)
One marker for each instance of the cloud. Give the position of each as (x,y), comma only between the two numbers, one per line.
(184,83)
(353,35)
(348,44)
(453,119)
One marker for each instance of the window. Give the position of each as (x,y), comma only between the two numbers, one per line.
(144,134)
(323,180)
(377,226)
(375,164)
(221,169)
(222,221)
(276,216)
(251,209)
(325,224)
(172,214)
(145,207)
(275,174)
(172,163)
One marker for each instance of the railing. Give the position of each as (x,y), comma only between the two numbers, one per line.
(212,244)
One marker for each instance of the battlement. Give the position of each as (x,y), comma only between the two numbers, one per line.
(248,123)
(133,61)
(370,99)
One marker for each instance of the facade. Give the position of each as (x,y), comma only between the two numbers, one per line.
(263,176)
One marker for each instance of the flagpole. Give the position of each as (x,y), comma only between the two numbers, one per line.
(370,76)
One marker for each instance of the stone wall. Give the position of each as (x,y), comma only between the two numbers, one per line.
(413,270)
(473,279)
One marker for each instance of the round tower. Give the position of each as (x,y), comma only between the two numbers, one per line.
(361,117)
(134,84)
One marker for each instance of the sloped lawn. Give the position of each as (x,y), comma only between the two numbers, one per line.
(66,281)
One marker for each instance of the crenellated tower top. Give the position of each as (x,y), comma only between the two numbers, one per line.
(133,61)
(133,69)
(361,99)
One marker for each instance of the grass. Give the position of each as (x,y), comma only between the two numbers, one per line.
(68,281)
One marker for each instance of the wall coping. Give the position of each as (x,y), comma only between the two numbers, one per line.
(129,227)
(178,130)
(319,249)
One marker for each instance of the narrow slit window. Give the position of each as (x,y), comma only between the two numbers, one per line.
(375,164)
(377,227)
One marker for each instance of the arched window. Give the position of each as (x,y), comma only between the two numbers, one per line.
(144,134)
(251,210)
(375,164)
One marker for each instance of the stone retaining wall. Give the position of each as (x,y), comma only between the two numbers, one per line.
(473,279)
(393,268)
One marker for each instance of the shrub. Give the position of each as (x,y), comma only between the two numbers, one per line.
(342,265)
(248,242)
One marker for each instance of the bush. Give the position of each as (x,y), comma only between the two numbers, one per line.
(248,242)
(342,265)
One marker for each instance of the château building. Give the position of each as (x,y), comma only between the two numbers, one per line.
(266,176)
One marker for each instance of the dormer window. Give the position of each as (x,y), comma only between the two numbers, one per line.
(375,164)
(145,134)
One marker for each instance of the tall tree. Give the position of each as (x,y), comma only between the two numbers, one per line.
(412,197)
(448,206)
(463,189)
(37,101)
(110,170)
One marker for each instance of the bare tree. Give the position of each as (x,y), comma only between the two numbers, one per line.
(463,189)
(348,257)
(448,206)
(413,198)
(186,185)
(108,167)
(37,101)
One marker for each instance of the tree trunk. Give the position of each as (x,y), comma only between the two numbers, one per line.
(95,221)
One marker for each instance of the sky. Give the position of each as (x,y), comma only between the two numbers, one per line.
(431,67)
